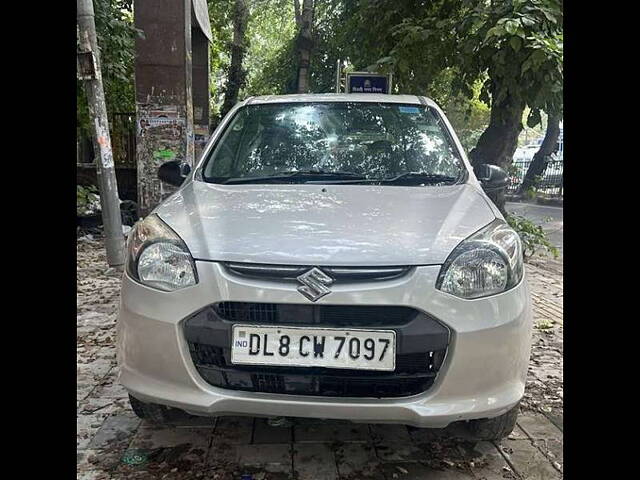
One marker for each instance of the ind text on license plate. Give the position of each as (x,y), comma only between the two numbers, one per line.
(358,349)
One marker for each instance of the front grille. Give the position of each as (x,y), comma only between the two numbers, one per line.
(268,383)
(326,315)
(420,350)
(339,274)
(414,373)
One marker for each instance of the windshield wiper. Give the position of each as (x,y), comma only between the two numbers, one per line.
(298,174)
(407,177)
(420,177)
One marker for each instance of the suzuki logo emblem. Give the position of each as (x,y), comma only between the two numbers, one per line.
(315,284)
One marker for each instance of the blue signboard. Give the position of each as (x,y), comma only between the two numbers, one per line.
(368,83)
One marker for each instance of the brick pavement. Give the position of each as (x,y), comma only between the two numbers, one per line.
(113,444)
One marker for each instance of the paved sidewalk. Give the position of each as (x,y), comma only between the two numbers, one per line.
(113,444)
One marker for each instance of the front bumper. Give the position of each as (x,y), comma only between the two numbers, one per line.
(483,374)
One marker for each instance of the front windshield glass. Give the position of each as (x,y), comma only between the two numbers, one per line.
(368,141)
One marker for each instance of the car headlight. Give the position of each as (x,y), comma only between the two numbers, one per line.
(158,258)
(487,263)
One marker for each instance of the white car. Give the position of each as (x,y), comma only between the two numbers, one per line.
(526,153)
(329,256)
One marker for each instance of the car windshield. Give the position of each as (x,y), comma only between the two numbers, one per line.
(334,143)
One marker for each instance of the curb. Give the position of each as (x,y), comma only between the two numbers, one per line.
(556,202)
(550,201)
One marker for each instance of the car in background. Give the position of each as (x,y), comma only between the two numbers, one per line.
(553,174)
(526,152)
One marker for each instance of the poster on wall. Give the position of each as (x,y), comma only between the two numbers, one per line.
(162,116)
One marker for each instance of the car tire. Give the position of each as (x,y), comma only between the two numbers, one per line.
(494,429)
(152,412)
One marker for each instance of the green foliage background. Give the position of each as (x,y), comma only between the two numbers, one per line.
(116,41)
(455,51)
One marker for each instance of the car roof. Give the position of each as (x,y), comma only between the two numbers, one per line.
(339,97)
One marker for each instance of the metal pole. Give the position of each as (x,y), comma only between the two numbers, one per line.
(338,76)
(109,199)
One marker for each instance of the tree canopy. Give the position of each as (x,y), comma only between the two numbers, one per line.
(116,40)
(488,63)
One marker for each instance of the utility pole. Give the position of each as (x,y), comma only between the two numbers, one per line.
(89,70)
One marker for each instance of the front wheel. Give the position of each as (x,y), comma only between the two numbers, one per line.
(494,429)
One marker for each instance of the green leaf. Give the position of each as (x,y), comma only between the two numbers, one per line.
(515,43)
(538,56)
(527,21)
(511,27)
(496,31)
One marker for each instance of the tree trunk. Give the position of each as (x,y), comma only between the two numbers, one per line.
(539,163)
(304,42)
(499,141)
(236,76)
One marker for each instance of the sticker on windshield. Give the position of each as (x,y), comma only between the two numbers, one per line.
(409,109)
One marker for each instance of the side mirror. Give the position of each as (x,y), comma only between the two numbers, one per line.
(174,172)
(491,177)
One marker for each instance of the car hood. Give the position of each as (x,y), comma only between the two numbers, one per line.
(331,225)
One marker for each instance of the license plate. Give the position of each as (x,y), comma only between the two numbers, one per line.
(314,347)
